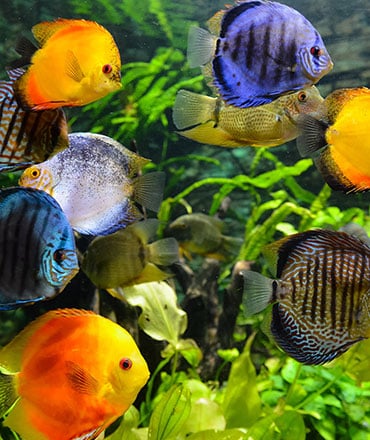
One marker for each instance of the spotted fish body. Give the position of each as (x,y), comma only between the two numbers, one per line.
(28,136)
(37,249)
(321,295)
(96,182)
(263,50)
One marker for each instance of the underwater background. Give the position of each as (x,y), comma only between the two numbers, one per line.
(241,383)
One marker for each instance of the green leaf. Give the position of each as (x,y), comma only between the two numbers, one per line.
(161,318)
(242,403)
(170,413)
(228,434)
(291,426)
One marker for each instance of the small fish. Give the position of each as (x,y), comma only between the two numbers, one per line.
(95,181)
(38,255)
(320,297)
(201,234)
(211,121)
(68,375)
(28,136)
(339,139)
(126,257)
(78,62)
(259,50)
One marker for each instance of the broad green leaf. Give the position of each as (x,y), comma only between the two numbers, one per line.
(242,403)
(161,318)
(170,413)
(291,426)
(188,348)
(129,422)
(228,434)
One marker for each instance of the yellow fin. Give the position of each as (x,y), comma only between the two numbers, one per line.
(211,134)
(151,273)
(8,394)
(193,109)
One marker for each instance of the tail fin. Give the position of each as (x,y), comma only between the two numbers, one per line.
(201,46)
(191,109)
(164,252)
(257,293)
(312,135)
(148,190)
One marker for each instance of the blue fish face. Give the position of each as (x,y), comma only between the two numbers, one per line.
(315,61)
(37,249)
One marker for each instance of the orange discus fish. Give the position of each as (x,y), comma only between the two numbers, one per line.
(68,375)
(78,62)
(339,141)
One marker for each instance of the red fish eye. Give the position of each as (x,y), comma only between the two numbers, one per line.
(125,363)
(315,51)
(59,255)
(302,97)
(107,68)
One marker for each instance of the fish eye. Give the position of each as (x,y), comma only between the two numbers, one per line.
(315,51)
(59,255)
(302,96)
(125,363)
(35,173)
(107,68)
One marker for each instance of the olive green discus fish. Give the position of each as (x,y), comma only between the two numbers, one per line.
(320,295)
(37,248)
(127,257)
(211,121)
(96,183)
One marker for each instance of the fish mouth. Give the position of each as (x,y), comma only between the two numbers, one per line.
(314,68)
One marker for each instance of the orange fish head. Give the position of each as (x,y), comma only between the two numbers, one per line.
(38,178)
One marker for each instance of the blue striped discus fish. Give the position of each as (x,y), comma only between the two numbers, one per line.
(37,248)
(320,297)
(28,136)
(260,50)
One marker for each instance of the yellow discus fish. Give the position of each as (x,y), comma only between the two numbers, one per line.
(211,121)
(78,62)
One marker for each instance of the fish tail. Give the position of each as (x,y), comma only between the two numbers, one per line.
(25,48)
(164,252)
(231,245)
(148,190)
(191,109)
(258,292)
(312,135)
(201,46)
(8,395)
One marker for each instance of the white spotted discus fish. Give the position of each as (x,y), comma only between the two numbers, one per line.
(320,297)
(257,51)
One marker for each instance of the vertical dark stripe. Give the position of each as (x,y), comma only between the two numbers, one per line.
(354,299)
(266,52)
(294,290)
(12,122)
(324,278)
(249,49)
(315,286)
(280,54)
(333,277)
(307,289)
(32,132)
(233,13)
(346,286)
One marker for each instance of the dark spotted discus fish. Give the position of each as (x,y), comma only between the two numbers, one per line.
(320,297)
(37,248)
(259,51)
(28,136)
